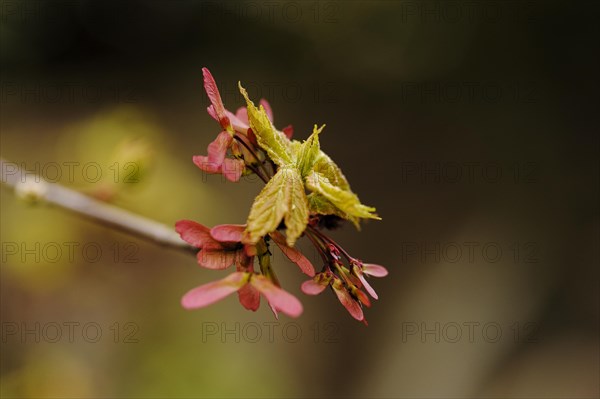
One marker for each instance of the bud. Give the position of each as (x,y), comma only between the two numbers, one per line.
(32,191)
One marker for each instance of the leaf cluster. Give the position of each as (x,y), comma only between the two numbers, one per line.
(306,183)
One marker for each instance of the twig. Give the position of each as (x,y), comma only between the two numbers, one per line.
(34,186)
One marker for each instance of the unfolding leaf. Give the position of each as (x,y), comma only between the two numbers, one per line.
(325,166)
(344,200)
(283,196)
(308,152)
(296,218)
(294,148)
(322,206)
(269,207)
(274,142)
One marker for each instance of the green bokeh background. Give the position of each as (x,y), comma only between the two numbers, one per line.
(408,90)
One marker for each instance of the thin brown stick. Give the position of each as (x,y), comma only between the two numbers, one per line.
(35,186)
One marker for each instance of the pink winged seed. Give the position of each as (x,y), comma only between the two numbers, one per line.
(214,96)
(249,297)
(349,303)
(239,124)
(288,131)
(232,169)
(242,115)
(311,287)
(293,254)
(210,293)
(204,164)
(374,270)
(279,299)
(216,259)
(228,232)
(217,149)
(196,234)
(367,286)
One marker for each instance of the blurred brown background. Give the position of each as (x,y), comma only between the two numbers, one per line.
(469,125)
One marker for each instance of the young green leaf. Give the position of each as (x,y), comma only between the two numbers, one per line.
(282,197)
(325,166)
(308,152)
(297,217)
(274,142)
(269,207)
(344,200)
(294,149)
(322,206)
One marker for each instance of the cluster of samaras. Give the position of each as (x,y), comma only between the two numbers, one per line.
(305,191)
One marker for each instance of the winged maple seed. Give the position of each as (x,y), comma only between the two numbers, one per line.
(305,193)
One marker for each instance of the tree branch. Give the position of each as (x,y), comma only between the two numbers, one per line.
(34,186)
